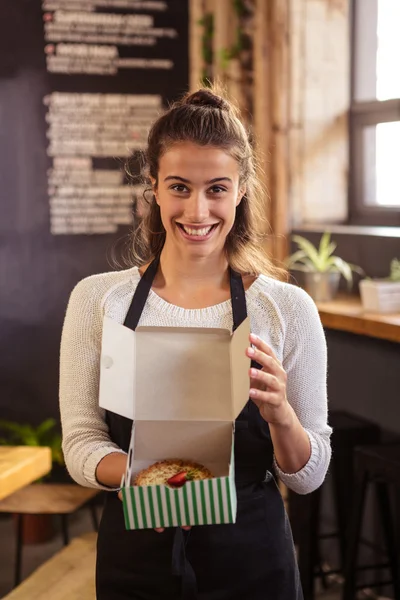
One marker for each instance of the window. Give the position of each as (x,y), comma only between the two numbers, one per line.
(375,113)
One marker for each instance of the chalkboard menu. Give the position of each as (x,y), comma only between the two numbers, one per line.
(80,83)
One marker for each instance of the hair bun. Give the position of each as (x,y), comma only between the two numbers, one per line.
(204,97)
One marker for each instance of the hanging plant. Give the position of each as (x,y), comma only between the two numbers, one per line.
(241,50)
(207,22)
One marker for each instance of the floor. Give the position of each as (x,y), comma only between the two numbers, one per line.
(34,555)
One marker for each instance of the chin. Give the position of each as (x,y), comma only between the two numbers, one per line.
(203,252)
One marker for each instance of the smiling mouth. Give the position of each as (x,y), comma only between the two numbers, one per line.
(197,231)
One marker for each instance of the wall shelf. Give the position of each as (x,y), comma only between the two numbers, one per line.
(345,313)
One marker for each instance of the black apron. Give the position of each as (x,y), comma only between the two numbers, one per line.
(252,559)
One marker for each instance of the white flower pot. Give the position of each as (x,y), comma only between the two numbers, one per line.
(380,295)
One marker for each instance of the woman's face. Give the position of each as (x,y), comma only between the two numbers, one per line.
(197,192)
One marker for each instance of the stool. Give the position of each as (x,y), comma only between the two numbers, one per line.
(47,499)
(378,466)
(349,431)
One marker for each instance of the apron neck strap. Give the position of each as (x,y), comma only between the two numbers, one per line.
(238,296)
(140,296)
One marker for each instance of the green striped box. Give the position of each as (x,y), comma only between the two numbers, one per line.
(201,502)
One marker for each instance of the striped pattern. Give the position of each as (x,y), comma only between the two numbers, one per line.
(200,502)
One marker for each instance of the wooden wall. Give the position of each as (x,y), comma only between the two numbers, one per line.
(320,154)
(293,86)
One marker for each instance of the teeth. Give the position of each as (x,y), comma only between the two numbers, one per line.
(198,232)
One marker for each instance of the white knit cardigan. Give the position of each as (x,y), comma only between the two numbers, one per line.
(281,314)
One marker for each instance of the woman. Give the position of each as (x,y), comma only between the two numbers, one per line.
(195,244)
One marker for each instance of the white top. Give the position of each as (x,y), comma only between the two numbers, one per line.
(281,314)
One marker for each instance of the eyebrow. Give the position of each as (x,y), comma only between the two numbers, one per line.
(207,182)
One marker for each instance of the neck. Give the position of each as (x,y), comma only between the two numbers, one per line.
(192,271)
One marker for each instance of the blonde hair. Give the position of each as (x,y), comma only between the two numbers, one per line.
(207,119)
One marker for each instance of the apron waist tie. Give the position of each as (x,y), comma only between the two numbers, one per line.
(181,565)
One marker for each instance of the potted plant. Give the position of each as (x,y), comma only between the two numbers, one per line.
(321,268)
(36,528)
(382,295)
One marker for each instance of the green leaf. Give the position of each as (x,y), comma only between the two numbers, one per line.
(326,247)
(343,267)
(357,269)
(10,426)
(45,427)
(324,242)
(27,435)
(304,264)
(300,262)
(291,260)
(224,58)
(394,270)
(31,440)
(56,449)
(43,435)
(321,259)
(19,432)
(310,250)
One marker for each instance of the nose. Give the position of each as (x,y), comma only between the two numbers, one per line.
(196,208)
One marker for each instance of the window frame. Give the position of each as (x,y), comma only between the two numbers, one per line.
(363,114)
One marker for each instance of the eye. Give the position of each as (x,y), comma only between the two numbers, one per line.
(179,187)
(217,189)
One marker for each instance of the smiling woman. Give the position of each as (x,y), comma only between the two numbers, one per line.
(202,169)
(198,206)
(199,263)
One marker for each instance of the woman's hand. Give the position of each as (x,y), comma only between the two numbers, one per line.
(158,529)
(268,385)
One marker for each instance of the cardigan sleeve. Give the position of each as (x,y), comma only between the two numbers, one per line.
(305,362)
(85,432)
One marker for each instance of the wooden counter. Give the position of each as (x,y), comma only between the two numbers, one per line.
(345,313)
(21,465)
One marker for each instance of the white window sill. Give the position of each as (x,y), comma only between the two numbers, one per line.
(366,230)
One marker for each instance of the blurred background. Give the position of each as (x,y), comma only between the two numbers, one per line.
(318,85)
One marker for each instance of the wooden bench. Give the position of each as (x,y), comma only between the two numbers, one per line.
(68,575)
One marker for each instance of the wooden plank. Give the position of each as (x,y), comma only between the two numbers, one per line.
(21,465)
(45,498)
(234,76)
(69,575)
(196,13)
(296,111)
(347,314)
(221,38)
(280,124)
(326,91)
(262,101)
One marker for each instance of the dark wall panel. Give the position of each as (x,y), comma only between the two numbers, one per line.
(38,270)
(364,377)
(363,372)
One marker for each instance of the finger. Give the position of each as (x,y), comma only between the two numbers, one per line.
(257,383)
(120,495)
(265,380)
(159,529)
(266,361)
(260,397)
(263,346)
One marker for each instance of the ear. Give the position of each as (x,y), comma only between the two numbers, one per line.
(241,193)
(154,188)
